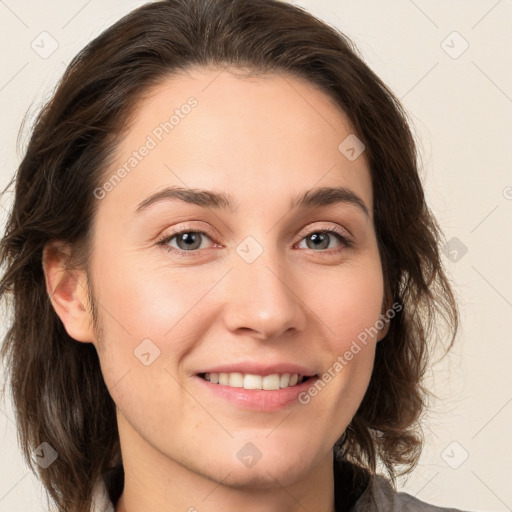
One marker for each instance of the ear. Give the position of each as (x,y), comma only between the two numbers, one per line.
(386,306)
(67,290)
(384,331)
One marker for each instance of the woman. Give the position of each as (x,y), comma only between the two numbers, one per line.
(223,270)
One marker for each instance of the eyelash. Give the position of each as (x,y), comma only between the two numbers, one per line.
(346,242)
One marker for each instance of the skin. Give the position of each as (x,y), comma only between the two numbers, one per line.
(263,140)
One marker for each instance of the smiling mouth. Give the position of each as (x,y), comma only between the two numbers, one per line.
(272,382)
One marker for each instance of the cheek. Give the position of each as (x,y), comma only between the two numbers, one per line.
(152,301)
(149,319)
(349,307)
(348,303)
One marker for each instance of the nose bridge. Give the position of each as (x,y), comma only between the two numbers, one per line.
(260,295)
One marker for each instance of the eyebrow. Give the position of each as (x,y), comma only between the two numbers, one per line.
(322,196)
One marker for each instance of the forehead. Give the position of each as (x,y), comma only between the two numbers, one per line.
(255,135)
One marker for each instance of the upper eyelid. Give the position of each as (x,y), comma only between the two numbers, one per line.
(306,229)
(303,232)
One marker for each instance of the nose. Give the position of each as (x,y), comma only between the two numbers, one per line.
(263,299)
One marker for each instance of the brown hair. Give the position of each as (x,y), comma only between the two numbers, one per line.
(58,390)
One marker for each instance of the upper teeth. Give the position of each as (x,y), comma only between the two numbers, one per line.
(250,381)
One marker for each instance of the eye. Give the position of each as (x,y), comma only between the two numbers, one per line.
(189,241)
(320,239)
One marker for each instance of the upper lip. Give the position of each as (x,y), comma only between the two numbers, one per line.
(255,368)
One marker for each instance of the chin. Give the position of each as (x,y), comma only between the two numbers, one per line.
(269,472)
(263,476)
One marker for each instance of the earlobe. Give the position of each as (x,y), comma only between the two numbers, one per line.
(67,290)
(384,317)
(384,331)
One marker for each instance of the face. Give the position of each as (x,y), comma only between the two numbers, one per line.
(256,281)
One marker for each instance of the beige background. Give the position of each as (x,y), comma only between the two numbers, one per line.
(460,100)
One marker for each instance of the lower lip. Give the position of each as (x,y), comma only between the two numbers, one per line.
(258,399)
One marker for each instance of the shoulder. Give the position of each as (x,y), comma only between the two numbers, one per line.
(381,497)
(101,501)
(108,489)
